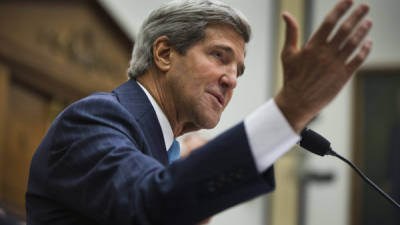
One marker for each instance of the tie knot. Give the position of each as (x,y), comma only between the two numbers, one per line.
(173,151)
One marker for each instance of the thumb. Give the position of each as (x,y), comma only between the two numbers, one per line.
(292,35)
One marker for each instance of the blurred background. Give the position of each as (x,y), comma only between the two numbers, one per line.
(53,52)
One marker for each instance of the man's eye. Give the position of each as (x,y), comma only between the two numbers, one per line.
(218,54)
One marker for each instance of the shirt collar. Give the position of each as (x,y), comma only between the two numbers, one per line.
(162,119)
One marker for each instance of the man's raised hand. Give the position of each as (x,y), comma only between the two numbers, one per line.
(315,73)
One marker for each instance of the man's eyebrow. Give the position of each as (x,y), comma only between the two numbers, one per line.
(241,67)
(225,48)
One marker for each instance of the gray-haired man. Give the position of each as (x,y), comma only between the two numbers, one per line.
(107,158)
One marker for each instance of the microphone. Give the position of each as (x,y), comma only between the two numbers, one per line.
(315,143)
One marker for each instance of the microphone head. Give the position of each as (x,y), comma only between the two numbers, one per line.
(314,142)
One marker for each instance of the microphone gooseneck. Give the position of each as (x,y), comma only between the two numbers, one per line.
(315,143)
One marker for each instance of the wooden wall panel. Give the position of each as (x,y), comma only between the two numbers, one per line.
(66,43)
(51,53)
(26,125)
(4,82)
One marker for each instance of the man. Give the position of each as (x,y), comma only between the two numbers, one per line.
(107,159)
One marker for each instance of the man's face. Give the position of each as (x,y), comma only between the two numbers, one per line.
(203,79)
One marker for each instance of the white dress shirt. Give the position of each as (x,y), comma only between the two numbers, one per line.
(269,133)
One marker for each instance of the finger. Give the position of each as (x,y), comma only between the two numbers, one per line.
(292,31)
(330,21)
(349,25)
(292,35)
(355,39)
(358,59)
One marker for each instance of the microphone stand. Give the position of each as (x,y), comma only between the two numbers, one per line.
(315,143)
(366,179)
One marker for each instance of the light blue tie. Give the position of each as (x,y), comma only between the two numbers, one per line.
(173,151)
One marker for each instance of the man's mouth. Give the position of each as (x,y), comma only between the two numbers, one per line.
(219,98)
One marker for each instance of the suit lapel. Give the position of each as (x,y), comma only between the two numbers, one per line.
(133,98)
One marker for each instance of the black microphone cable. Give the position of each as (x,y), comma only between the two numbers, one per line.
(317,144)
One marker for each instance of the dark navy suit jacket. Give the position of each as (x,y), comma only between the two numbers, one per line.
(103,161)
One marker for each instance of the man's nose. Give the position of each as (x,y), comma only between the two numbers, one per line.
(229,79)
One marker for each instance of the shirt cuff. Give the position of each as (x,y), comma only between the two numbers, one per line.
(269,134)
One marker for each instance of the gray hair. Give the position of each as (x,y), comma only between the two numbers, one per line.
(184,23)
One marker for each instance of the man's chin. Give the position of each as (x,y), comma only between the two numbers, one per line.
(210,123)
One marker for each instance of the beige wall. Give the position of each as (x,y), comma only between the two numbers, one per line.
(330,204)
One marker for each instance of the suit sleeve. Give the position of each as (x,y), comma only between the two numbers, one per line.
(97,167)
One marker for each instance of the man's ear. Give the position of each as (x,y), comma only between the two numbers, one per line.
(162,53)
